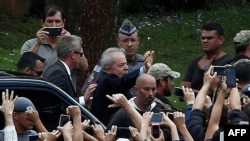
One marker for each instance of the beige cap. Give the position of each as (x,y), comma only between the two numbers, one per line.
(160,70)
(242,38)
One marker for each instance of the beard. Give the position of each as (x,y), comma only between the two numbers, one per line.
(167,92)
(148,101)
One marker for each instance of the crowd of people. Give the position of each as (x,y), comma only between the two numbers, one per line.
(128,88)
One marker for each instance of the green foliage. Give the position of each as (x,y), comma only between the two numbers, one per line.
(176,39)
(14,31)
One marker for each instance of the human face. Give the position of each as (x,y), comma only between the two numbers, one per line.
(210,41)
(54,21)
(22,122)
(38,70)
(169,84)
(145,92)
(129,44)
(119,66)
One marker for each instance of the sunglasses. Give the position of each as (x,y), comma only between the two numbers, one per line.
(39,73)
(81,53)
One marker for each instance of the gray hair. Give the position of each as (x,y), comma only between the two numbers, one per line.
(108,56)
(66,44)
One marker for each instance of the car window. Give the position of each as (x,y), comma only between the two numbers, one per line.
(49,100)
(47,104)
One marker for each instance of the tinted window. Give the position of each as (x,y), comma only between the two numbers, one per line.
(47,104)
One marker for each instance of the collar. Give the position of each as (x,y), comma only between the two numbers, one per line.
(67,68)
(132,102)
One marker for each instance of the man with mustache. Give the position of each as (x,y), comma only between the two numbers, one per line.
(164,81)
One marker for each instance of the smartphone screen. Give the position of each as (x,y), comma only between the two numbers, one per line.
(63,119)
(178,91)
(219,69)
(155,130)
(156,118)
(170,115)
(230,76)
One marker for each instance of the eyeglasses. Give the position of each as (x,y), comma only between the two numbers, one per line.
(81,53)
(39,73)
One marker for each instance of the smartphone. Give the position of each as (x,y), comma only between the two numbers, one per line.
(63,119)
(230,76)
(53,31)
(219,69)
(170,115)
(156,118)
(33,137)
(155,130)
(123,132)
(178,91)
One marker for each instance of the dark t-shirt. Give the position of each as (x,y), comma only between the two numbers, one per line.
(195,75)
(236,58)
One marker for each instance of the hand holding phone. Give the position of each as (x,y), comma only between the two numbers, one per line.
(156,120)
(63,119)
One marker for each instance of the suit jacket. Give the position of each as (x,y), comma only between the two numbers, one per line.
(111,84)
(57,74)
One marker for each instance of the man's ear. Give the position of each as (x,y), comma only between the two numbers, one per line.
(135,88)
(14,115)
(106,69)
(64,21)
(27,70)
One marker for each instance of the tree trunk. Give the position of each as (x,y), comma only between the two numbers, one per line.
(96,22)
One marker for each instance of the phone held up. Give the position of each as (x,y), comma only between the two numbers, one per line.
(230,76)
(170,115)
(63,119)
(228,71)
(178,91)
(53,31)
(156,120)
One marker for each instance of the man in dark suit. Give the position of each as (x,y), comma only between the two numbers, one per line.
(116,79)
(69,52)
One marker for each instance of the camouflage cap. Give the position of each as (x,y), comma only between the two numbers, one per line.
(127,28)
(160,70)
(242,38)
